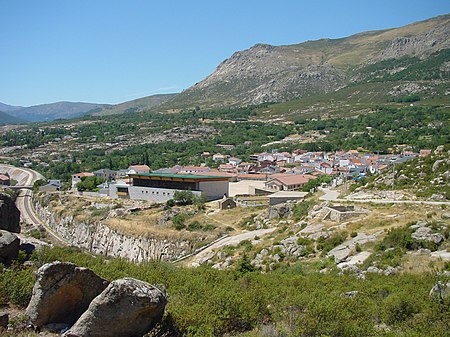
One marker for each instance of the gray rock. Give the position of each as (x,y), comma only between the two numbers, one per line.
(4,320)
(62,292)
(9,214)
(437,164)
(9,246)
(350,294)
(445,215)
(440,291)
(390,271)
(426,234)
(374,270)
(126,308)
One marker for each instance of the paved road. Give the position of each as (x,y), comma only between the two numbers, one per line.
(230,241)
(332,195)
(24,203)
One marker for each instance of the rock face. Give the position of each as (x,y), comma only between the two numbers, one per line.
(9,214)
(9,246)
(266,73)
(126,308)
(62,292)
(101,239)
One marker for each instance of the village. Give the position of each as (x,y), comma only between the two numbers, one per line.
(293,174)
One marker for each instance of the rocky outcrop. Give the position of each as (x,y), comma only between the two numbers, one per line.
(440,291)
(266,73)
(4,320)
(9,214)
(127,307)
(101,239)
(62,292)
(9,246)
(346,249)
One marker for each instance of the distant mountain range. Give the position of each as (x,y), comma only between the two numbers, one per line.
(67,110)
(411,58)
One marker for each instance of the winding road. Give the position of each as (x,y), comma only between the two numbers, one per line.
(26,177)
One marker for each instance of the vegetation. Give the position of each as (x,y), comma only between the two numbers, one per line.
(89,183)
(287,302)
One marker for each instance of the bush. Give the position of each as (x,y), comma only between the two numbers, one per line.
(325,245)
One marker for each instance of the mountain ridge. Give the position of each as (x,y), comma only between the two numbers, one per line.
(265,73)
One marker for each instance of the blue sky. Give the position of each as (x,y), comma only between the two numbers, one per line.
(110,51)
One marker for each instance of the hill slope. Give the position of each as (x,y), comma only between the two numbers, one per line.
(266,73)
(59,110)
(7,108)
(136,105)
(8,119)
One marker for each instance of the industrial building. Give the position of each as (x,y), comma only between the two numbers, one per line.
(160,187)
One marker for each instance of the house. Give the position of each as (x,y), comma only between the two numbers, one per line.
(234,161)
(288,182)
(226,168)
(227,203)
(424,153)
(325,168)
(5,180)
(106,174)
(76,178)
(138,169)
(52,186)
(220,157)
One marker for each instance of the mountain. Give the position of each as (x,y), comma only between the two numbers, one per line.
(52,111)
(136,105)
(7,108)
(8,119)
(266,73)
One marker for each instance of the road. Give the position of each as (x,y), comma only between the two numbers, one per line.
(230,241)
(24,203)
(332,195)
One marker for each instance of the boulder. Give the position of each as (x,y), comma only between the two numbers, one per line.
(62,292)
(9,214)
(9,246)
(126,308)
(4,320)
(440,291)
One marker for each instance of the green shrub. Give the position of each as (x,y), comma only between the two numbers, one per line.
(325,245)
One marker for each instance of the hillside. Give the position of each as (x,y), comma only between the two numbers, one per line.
(266,73)
(136,105)
(7,108)
(52,111)
(8,119)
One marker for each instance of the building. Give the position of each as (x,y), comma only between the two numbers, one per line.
(106,174)
(4,180)
(288,182)
(160,187)
(138,169)
(76,178)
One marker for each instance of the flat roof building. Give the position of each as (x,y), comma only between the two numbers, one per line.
(161,187)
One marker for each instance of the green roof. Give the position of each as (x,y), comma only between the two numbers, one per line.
(174,175)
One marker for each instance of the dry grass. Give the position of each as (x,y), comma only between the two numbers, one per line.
(421,263)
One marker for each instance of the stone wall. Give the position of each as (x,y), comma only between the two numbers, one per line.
(101,239)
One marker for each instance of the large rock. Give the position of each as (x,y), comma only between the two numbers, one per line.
(9,214)
(126,308)
(62,292)
(440,291)
(9,246)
